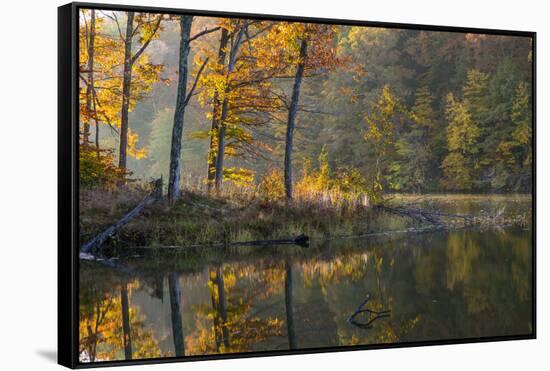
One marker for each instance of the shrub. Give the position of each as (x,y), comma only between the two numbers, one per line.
(271,187)
(97,169)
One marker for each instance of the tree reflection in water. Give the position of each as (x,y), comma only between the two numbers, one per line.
(437,286)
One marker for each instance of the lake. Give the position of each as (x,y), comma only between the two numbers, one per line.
(443,285)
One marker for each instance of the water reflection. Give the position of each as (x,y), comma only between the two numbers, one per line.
(175,311)
(436,286)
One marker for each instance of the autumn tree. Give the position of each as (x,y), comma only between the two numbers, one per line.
(416,158)
(90,41)
(216,105)
(380,133)
(100,55)
(522,118)
(459,165)
(235,44)
(301,50)
(474,93)
(513,157)
(108,322)
(97,65)
(237,87)
(292,111)
(228,323)
(143,28)
(104,84)
(182,100)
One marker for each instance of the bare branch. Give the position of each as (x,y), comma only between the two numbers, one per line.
(115,19)
(204,32)
(195,82)
(146,43)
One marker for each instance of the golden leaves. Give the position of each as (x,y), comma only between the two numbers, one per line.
(108,70)
(137,153)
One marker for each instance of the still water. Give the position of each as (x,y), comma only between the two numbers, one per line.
(433,286)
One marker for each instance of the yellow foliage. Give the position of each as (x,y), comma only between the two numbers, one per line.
(137,153)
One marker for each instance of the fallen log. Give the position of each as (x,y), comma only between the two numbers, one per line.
(98,240)
(301,240)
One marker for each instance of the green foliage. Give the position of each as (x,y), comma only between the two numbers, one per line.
(462,131)
(411,170)
(381,130)
(512,160)
(97,169)
(322,176)
(414,161)
(381,120)
(422,112)
(409,138)
(457,172)
(462,140)
(521,115)
(475,95)
(501,91)
(239,176)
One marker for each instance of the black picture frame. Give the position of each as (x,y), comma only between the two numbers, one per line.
(68,185)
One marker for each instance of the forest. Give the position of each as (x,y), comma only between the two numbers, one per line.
(289,117)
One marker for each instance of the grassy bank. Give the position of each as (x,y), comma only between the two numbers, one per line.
(198,219)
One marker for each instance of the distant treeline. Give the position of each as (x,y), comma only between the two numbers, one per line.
(447,111)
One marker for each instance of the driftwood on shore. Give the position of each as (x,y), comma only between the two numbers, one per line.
(98,240)
(434,218)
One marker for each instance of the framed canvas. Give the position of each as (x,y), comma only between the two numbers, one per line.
(237,185)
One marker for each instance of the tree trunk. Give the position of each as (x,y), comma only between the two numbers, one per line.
(215,310)
(126,81)
(221,147)
(175,309)
(223,308)
(211,175)
(221,124)
(291,121)
(97,139)
(127,340)
(91,79)
(177,130)
(291,333)
(90,85)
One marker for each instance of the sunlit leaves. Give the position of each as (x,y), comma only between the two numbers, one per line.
(101,334)
(107,72)
(462,137)
(462,132)
(521,115)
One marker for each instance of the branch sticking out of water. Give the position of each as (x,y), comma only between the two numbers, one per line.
(443,220)
(363,309)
